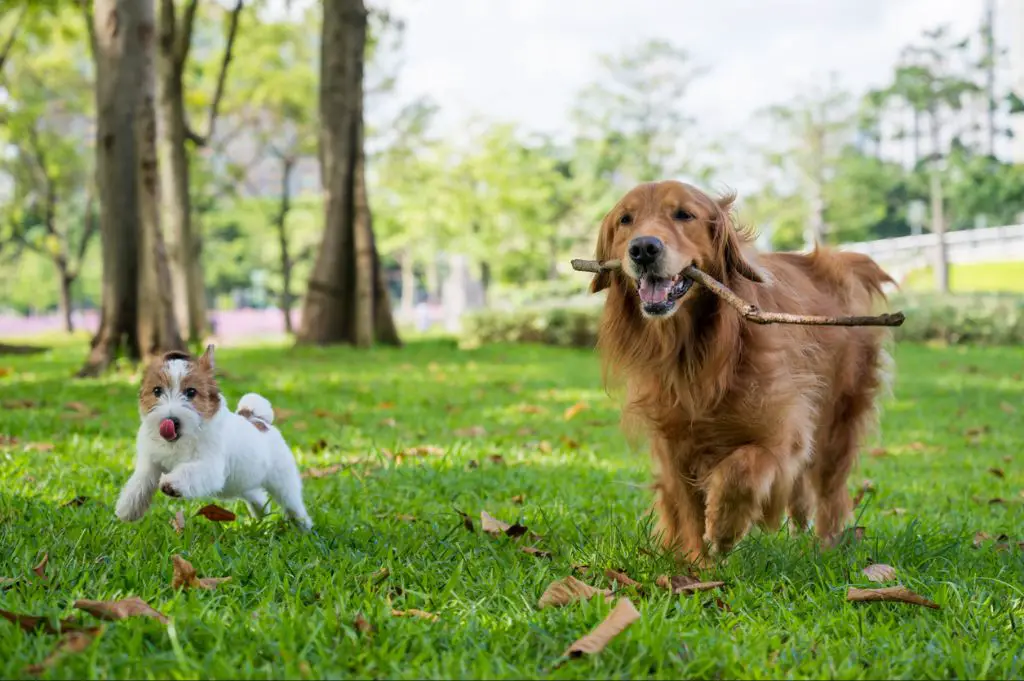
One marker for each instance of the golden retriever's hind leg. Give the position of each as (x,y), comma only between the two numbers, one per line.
(737,490)
(834,462)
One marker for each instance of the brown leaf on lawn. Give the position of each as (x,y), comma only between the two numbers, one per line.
(39,447)
(8,440)
(300,425)
(8,582)
(119,610)
(1007,458)
(32,623)
(880,572)
(568,590)
(574,410)
(77,501)
(899,594)
(362,625)
(413,612)
(467,522)
(494,527)
(618,620)
(1007,407)
(534,551)
(322,472)
(518,499)
(281,415)
(878,452)
(40,569)
(185,576)
(472,431)
(216,513)
(684,584)
(570,443)
(405,518)
(865,487)
(722,605)
(496,459)
(975,431)
(423,450)
(389,422)
(81,409)
(20,404)
(998,472)
(531,409)
(70,643)
(544,446)
(622,579)
(386,405)
(178,522)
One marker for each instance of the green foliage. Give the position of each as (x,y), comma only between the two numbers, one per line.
(989,277)
(290,609)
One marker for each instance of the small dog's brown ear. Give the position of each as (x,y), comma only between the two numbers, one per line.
(206,360)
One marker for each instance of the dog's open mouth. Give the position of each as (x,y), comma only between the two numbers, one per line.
(659,294)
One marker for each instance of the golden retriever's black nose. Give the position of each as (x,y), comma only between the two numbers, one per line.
(645,250)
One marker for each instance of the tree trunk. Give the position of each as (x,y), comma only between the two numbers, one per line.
(941,264)
(281,223)
(136,316)
(345,300)
(183,259)
(65,305)
(408,303)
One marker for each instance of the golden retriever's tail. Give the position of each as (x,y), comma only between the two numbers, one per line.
(855,272)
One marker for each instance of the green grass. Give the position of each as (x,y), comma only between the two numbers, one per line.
(290,607)
(995,277)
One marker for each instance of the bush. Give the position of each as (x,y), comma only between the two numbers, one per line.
(954,319)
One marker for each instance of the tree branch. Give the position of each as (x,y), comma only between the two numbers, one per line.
(14,34)
(86,7)
(222,76)
(183,34)
(749,311)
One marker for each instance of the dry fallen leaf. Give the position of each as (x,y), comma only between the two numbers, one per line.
(282,415)
(77,501)
(684,584)
(39,447)
(413,612)
(362,625)
(40,569)
(178,522)
(472,431)
(618,620)
(544,446)
(622,579)
(70,643)
(80,408)
(185,576)
(889,593)
(494,527)
(8,582)
(119,610)
(322,472)
(1007,407)
(531,409)
(880,572)
(518,499)
(216,513)
(878,452)
(565,591)
(32,623)
(574,410)
(534,551)
(386,405)
(998,472)
(496,459)
(865,487)
(467,522)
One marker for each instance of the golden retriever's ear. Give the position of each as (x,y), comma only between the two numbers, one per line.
(729,249)
(602,280)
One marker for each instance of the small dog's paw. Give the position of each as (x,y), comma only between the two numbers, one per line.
(305,523)
(169,489)
(126,514)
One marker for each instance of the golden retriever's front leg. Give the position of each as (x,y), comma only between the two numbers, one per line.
(680,507)
(737,488)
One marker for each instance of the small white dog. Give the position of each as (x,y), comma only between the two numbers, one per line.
(191,445)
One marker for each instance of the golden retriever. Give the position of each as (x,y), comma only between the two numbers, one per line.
(745,422)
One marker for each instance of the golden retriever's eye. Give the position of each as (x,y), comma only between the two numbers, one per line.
(626,219)
(682,215)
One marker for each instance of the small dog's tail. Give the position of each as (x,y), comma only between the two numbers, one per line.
(253,405)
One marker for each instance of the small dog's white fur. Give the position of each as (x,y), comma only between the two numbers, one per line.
(225,456)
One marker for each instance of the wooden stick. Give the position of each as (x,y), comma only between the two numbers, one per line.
(750,311)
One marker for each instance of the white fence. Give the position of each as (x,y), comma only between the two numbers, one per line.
(903,254)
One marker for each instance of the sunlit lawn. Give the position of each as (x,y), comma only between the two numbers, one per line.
(291,606)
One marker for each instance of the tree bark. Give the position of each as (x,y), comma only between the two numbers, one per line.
(65,297)
(136,317)
(345,300)
(941,263)
(285,302)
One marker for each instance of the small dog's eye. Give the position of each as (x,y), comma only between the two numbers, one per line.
(626,219)
(682,215)
(158,391)
(190,393)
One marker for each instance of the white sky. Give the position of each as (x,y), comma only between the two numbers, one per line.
(523,60)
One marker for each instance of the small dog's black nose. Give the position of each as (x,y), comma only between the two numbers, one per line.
(176,422)
(645,250)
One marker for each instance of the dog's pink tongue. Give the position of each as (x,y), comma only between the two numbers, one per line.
(654,290)
(167,431)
